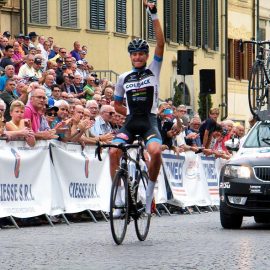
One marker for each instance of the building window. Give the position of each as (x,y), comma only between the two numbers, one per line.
(183,21)
(69,16)
(38,11)
(239,63)
(121,16)
(97,15)
(210,25)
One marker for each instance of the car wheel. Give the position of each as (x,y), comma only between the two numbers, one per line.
(230,221)
(262,219)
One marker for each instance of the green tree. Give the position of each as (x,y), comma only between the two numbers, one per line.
(178,95)
(205,104)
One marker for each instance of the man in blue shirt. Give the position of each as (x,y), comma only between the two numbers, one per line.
(9,74)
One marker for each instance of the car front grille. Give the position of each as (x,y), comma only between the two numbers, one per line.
(258,202)
(263,173)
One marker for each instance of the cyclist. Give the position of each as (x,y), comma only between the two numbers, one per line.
(140,86)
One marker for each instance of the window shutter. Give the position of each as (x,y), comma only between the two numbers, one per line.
(69,13)
(205,23)
(38,11)
(198,23)
(121,16)
(216,30)
(167,19)
(151,31)
(97,14)
(180,20)
(236,60)
(187,23)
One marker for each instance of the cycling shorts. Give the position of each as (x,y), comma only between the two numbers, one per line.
(144,125)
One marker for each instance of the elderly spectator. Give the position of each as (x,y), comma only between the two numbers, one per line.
(7,59)
(108,94)
(102,124)
(27,70)
(54,51)
(193,132)
(208,126)
(82,55)
(75,52)
(93,108)
(181,113)
(8,96)
(68,85)
(34,110)
(78,85)
(56,94)
(2,111)
(62,54)
(89,89)
(239,131)
(37,69)
(228,126)
(18,56)
(9,74)
(19,125)
(47,85)
(81,70)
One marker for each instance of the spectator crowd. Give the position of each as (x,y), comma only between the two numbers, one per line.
(50,92)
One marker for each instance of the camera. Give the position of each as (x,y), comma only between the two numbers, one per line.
(33,79)
(97,81)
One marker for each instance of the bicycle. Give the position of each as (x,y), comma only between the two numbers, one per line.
(259,82)
(132,190)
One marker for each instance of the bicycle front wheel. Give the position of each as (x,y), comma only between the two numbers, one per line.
(142,223)
(119,207)
(257,89)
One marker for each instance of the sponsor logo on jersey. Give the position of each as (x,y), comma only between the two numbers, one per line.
(137,85)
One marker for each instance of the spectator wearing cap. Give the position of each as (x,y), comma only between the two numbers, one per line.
(7,34)
(20,38)
(51,114)
(81,70)
(7,59)
(82,55)
(76,49)
(33,38)
(37,68)
(27,70)
(9,74)
(8,96)
(26,44)
(18,56)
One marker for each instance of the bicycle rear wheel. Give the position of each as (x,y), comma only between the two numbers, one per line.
(142,223)
(119,208)
(257,89)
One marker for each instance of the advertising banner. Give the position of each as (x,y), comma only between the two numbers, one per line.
(25,179)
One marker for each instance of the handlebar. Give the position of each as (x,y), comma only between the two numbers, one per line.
(254,42)
(122,146)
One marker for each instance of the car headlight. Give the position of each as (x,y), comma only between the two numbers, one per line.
(237,171)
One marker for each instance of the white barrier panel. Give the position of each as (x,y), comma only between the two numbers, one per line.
(208,171)
(85,181)
(25,182)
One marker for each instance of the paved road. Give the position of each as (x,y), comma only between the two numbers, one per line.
(176,242)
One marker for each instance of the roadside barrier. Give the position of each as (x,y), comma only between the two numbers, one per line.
(55,178)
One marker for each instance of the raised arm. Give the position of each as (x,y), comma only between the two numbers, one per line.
(152,11)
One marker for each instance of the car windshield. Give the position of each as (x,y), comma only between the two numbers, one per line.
(259,136)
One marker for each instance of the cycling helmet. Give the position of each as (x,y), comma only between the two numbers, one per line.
(138,45)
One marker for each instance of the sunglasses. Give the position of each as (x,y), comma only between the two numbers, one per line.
(51,114)
(111,113)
